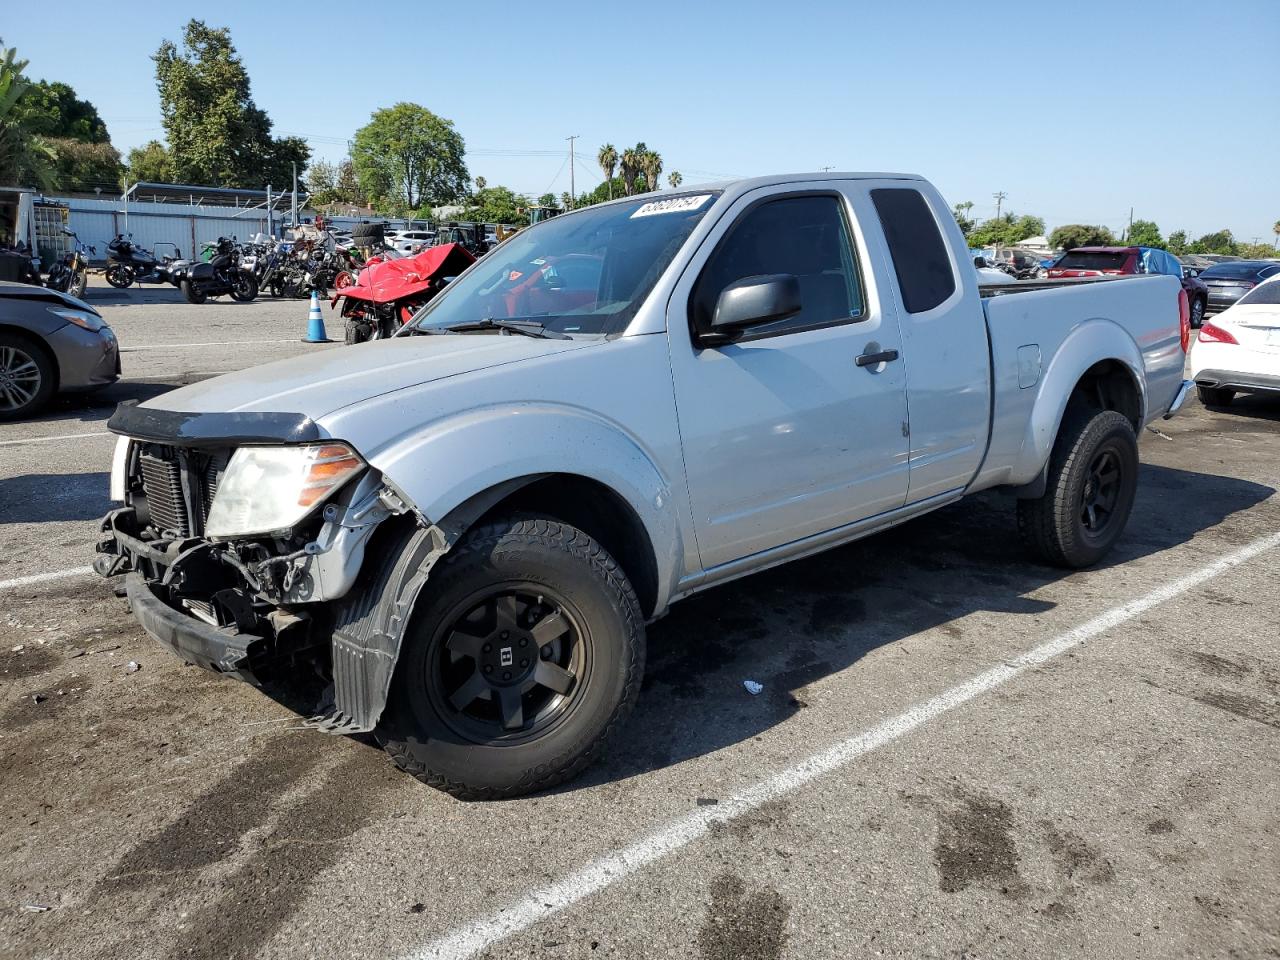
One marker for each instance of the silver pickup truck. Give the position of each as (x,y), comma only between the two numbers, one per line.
(462,530)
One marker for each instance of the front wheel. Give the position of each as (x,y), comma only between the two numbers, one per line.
(190,293)
(523,657)
(244,288)
(119,276)
(79,282)
(1093,477)
(27,376)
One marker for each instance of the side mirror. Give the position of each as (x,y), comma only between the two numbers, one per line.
(752,302)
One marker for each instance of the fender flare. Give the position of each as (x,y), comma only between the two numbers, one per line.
(1094,341)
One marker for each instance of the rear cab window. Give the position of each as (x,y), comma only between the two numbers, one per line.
(917,247)
(1092,260)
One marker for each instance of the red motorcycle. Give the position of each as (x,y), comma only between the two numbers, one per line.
(387,293)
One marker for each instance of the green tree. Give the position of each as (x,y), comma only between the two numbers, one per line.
(547,200)
(961,212)
(150,163)
(25,159)
(1145,233)
(1275,228)
(608,160)
(1177,243)
(1073,235)
(675,179)
(53,110)
(1255,251)
(1005,232)
(1220,242)
(82,167)
(408,154)
(496,205)
(216,133)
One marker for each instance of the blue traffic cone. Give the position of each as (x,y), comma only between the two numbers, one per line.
(315,322)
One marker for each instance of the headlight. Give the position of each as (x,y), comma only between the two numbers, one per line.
(81,318)
(265,489)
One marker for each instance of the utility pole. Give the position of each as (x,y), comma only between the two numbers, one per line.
(295,194)
(999,198)
(1129,232)
(573,193)
(826,169)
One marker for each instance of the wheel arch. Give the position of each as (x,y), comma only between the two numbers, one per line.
(40,344)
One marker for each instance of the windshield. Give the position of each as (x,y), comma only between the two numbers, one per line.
(1091,260)
(579,273)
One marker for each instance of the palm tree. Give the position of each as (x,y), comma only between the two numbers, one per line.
(653,169)
(24,159)
(630,164)
(608,160)
(481,183)
(1275,228)
(675,179)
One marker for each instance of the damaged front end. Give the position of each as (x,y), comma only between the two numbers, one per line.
(275,607)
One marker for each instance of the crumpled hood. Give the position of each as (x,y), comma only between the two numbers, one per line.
(320,383)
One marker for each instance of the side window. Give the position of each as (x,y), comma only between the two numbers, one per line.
(804,236)
(919,252)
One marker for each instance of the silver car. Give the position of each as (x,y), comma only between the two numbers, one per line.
(50,343)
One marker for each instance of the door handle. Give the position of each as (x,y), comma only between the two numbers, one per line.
(871,359)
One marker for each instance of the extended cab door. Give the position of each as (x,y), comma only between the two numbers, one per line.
(944,333)
(785,432)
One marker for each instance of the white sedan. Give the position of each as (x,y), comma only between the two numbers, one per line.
(1238,351)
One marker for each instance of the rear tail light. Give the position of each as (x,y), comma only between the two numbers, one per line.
(1212,333)
(1184,320)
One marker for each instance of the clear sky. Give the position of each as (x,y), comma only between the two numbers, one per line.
(1076,110)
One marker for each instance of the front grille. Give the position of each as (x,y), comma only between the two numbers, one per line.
(161,470)
(162,483)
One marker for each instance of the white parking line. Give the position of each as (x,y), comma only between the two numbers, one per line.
(45,577)
(214,343)
(482,933)
(62,436)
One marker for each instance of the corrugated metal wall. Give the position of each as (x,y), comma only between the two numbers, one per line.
(161,224)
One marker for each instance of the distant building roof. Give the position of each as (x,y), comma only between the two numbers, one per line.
(204,196)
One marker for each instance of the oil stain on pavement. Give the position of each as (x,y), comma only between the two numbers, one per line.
(741,925)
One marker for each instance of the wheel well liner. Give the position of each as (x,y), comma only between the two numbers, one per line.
(1108,385)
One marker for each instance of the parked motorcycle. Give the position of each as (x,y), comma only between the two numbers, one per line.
(70,274)
(129,263)
(221,274)
(389,292)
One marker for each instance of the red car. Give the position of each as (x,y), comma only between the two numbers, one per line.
(1131,261)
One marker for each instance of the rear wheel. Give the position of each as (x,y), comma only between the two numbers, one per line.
(27,377)
(190,292)
(520,662)
(1215,396)
(1197,313)
(1093,477)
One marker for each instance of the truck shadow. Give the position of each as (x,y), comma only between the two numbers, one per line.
(792,626)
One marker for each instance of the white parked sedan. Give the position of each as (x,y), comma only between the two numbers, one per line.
(1239,350)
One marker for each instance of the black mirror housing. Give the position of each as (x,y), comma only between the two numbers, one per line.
(752,302)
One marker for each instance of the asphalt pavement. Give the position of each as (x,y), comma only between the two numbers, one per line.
(956,752)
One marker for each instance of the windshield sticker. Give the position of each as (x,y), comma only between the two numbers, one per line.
(674,205)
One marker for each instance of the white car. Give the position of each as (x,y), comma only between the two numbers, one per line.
(1239,350)
(407,241)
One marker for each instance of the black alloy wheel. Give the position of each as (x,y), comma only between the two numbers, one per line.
(507,667)
(1101,493)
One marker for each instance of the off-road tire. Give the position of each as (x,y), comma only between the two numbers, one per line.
(530,550)
(1215,396)
(1050,526)
(48,372)
(191,294)
(355,331)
